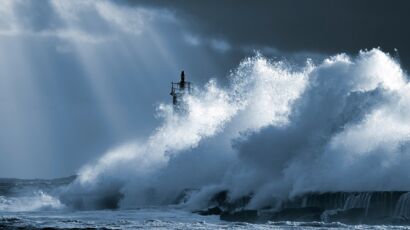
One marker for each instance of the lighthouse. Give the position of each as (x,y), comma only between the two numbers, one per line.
(178,90)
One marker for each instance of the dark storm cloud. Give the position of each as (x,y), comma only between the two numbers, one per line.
(293,26)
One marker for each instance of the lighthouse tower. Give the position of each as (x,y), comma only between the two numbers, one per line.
(178,90)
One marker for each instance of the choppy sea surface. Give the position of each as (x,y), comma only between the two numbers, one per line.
(34,204)
(149,218)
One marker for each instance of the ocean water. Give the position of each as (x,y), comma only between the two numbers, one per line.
(149,218)
(159,218)
(34,204)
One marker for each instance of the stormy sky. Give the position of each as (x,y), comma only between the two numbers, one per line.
(292,26)
(81,77)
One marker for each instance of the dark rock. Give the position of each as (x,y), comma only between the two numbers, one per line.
(349,216)
(297,214)
(400,220)
(210,211)
(379,207)
(220,198)
(250,216)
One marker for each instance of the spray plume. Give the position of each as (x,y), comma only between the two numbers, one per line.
(275,132)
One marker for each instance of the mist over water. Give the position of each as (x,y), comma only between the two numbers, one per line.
(275,132)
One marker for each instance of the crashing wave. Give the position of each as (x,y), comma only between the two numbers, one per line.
(275,132)
(37,201)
